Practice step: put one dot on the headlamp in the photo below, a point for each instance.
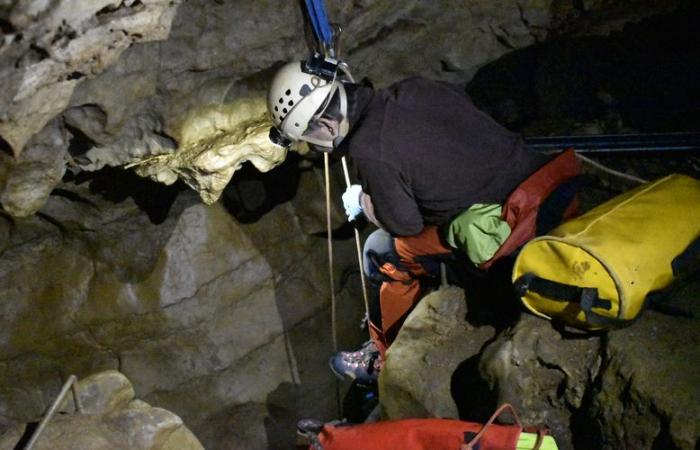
(278, 139)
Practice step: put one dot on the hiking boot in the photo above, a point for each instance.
(308, 431)
(362, 365)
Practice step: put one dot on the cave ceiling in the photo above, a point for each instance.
(174, 89)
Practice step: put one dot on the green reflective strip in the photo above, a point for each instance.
(527, 441)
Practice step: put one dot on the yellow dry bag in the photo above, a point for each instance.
(595, 271)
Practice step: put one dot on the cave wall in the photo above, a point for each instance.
(119, 82)
(221, 317)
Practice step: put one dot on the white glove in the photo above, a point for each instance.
(351, 201)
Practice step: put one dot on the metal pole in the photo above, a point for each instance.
(70, 383)
(617, 143)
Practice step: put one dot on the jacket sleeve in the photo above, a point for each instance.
(394, 205)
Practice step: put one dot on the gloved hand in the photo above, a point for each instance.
(351, 201)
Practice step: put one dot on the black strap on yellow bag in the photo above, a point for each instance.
(596, 272)
(585, 298)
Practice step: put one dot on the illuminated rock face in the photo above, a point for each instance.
(227, 324)
(224, 320)
(110, 419)
(122, 81)
(216, 140)
(50, 46)
(47, 50)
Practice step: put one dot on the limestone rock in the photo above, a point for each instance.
(131, 78)
(649, 394)
(102, 393)
(202, 313)
(543, 375)
(55, 44)
(141, 137)
(632, 388)
(417, 376)
(109, 421)
(215, 142)
(35, 173)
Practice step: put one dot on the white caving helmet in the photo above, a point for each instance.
(297, 97)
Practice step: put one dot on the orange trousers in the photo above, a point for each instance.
(401, 292)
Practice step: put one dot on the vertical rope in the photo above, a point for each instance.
(329, 230)
(358, 245)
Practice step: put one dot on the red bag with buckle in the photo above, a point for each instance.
(423, 434)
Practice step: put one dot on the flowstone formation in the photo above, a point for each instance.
(214, 142)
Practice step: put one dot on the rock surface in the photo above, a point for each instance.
(159, 84)
(111, 419)
(632, 388)
(217, 312)
(435, 339)
(207, 317)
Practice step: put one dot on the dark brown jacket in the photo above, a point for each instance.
(425, 153)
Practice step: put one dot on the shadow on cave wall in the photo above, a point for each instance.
(643, 78)
(250, 198)
(116, 185)
(251, 194)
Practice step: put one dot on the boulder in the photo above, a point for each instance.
(648, 395)
(630, 388)
(111, 419)
(416, 380)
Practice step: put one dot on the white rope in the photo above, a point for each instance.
(611, 171)
(358, 245)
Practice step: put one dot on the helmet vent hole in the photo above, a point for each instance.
(290, 103)
(281, 101)
(284, 110)
(296, 125)
(276, 108)
(288, 92)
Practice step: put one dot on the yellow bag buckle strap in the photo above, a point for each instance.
(586, 297)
